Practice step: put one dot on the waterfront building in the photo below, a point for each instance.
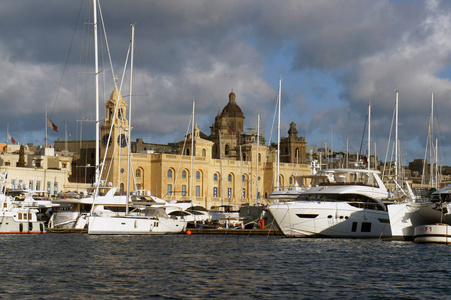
(224, 162)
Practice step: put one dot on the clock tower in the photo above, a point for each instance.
(114, 138)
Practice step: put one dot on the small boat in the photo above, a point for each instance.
(141, 220)
(435, 233)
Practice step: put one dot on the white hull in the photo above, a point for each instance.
(436, 233)
(134, 225)
(10, 224)
(404, 217)
(329, 219)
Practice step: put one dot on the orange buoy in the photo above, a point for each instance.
(188, 232)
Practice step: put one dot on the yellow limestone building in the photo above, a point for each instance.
(224, 164)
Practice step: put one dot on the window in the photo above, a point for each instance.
(197, 190)
(49, 185)
(291, 180)
(366, 227)
(215, 177)
(30, 184)
(243, 178)
(122, 187)
(187, 151)
(184, 190)
(229, 178)
(55, 188)
(243, 193)
(184, 174)
(229, 192)
(38, 185)
(169, 173)
(13, 183)
(227, 149)
(215, 192)
(198, 175)
(138, 173)
(169, 189)
(204, 152)
(354, 227)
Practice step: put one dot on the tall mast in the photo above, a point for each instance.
(257, 201)
(192, 153)
(396, 135)
(130, 119)
(96, 74)
(431, 143)
(278, 137)
(369, 136)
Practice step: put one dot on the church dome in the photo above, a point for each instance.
(232, 109)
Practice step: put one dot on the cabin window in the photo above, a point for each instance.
(184, 174)
(198, 175)
(20, 216)
(169, 173)
(366, 227)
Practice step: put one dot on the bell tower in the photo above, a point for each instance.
(115, 146)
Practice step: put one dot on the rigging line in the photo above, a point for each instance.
(388, 144)
(67, 59)
(146, 91)
(363, 136)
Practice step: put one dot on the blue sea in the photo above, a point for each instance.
(80, 266)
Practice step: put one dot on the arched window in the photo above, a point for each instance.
(169, 173)
(138, 173)
(244, 156)
(291, 180)
(204, 152)
(243, 178)
(229, 178)
(183, 190)
(198, 175)
(187, 151)
(259, 157)
(184, 174)
(169, 189)
(227, 149)
(215, 177)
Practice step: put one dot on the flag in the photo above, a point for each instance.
(11, 138)
(52, 125)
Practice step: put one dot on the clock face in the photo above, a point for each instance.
(105, 140)
(122, 140)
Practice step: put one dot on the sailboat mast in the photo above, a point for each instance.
(431, 143)
(96, 74)
(369, 136)
(396, 135)
(192, 153)
(257, 201)
(130, 119)
(278, 137)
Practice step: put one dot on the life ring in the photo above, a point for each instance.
(261, 224)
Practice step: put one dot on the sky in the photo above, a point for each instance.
(334, 58)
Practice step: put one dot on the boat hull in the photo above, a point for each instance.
(404, 217)
(329, 219)
(435, 233)
(8, 224)
(134, 225)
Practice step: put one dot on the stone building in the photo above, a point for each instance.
(219, 169)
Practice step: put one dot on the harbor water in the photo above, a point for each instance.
(80, 266)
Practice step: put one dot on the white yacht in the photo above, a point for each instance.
(345, 203)
(141, 220)
(16, 217)
(406, 216)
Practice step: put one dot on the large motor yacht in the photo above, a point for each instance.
(345, 203)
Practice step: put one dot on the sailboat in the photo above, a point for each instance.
(412, 212)
(144, 218)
